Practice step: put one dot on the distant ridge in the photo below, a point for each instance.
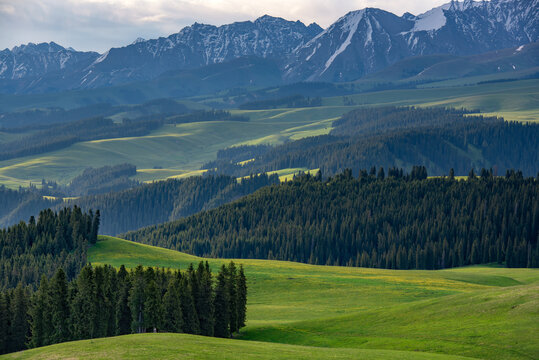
(360, 43)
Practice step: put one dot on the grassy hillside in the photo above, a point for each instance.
(180, 346)
(178, 149)
(508, 99)
(479, 312)
(183, 148)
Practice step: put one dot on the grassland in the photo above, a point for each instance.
(180, 346)
(477, 312)
(180, 150)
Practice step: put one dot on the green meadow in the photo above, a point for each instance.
(180, 150)
(301, 311)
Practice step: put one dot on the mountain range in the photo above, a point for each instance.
(360, 43)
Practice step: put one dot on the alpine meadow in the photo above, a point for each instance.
(306, 180)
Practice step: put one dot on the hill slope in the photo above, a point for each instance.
(481, 312)
(180, 346)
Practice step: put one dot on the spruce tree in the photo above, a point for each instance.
(123, 311)
(84, 305)
(39, 326)
(232, 297)
(59, 308)
(4, 323)
(221, 306)
(95, 227)
(204, 301)
(242, 298)
(137, 299)
(173, 317)
(153, 312)
(19, 320)
(111, 298)
(190, 318)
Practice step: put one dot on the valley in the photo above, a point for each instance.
(477, 312)
(267, 187)
(180, 150)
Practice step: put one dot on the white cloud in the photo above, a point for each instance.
(101, 24)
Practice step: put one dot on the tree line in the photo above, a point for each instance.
(205, 115)
(102, 301)
(143, 205)
(383, 219)
(56, 240)
(62, 135)
(293, 101)
(436, 138)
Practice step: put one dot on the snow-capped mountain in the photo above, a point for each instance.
(368, 40)
(359, 43)
(199, 45)
(35, 60)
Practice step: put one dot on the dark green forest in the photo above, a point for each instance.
(436, 138)
(294, 101)
(394, 220)
(134, 208)
(102, 301)
(168, 200)
(55, 240)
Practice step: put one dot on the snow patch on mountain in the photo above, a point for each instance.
(431, 20)
(350, 23)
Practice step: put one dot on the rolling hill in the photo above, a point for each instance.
(188, 146)
(340, 312)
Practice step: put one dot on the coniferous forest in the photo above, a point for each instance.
(56, 240)
(436, 138)
(102, 301)
(394, 220)
(140, 206)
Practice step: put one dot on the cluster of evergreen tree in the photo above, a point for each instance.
(436, 138)
(104, 302)
(22, 121)
(236, 154)
(39, 119)
(55, 240)
(101, 180)
(16, 205)
(311, 89)
(206, 115)
(294, 101)
(143, 205)
(395, 221)
(62, 135)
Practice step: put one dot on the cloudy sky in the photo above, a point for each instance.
(100, 24)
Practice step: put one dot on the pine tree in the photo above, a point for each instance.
(232, 297)
(221, 306)
(153, 312)
(95, 227)
(123, 311)
(204, 300)
(19, 320)
(173, 319)
(242, 298)
(4, 324)
(190, 318)
(137, 299)
(39, 325)
(59, 308)
(84, 305)
(111, 299)
(101, 317)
